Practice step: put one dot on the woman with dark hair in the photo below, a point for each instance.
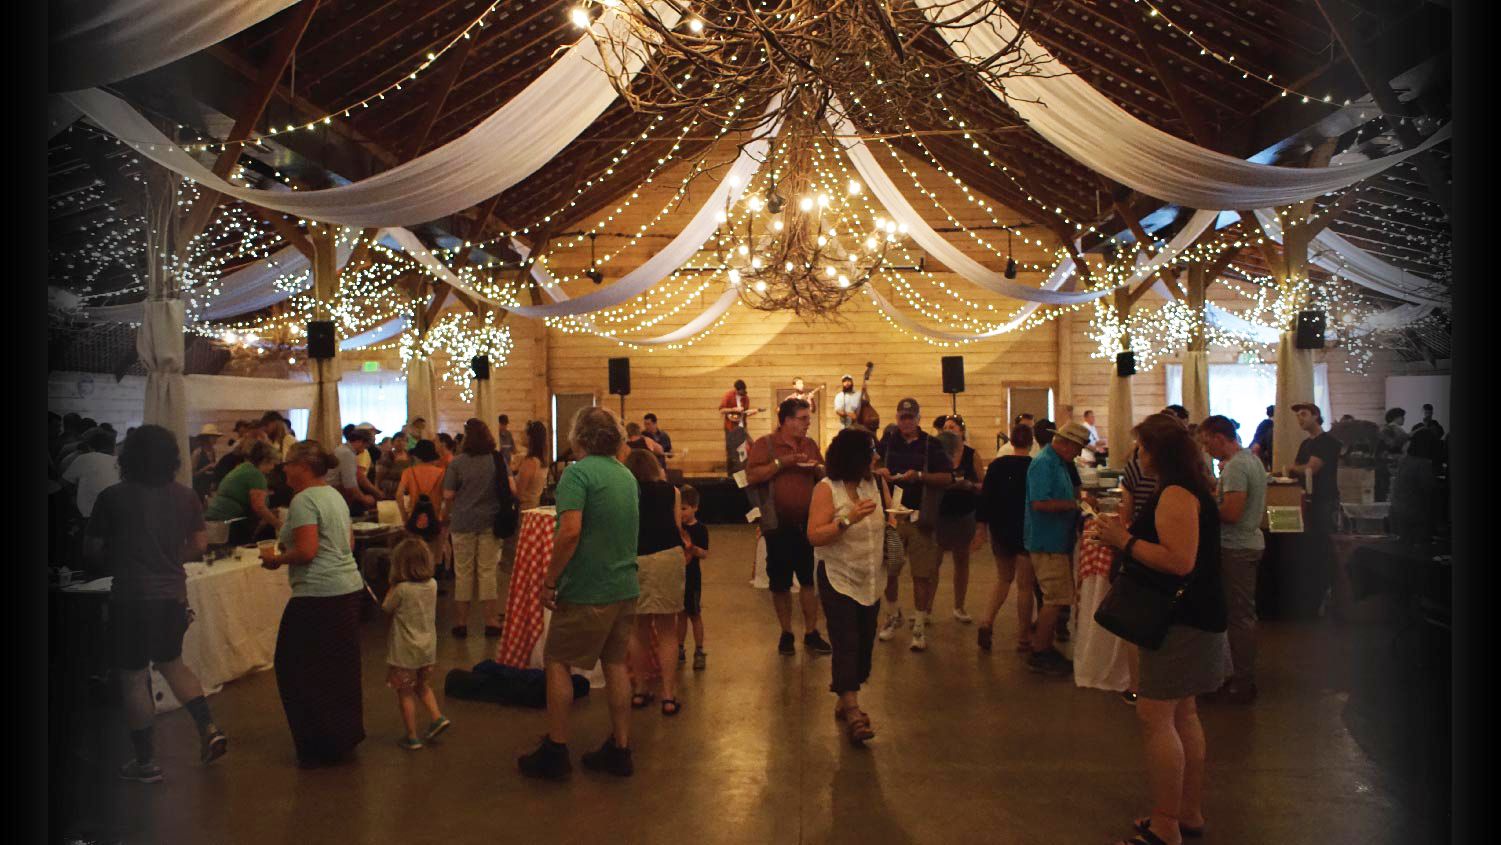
(149, 525)
(1175, 542)
(847, 528)
(471, 501)
(957, 532)
(1001, 512)
(662, 573)
(318, 643)
(446, 446)
(244, 494)
(418, 490)
(531, 475)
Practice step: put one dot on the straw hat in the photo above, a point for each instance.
(210, 430)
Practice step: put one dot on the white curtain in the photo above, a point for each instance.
(1195, 384)
(422, 393)
(512, 143)
(98, 42)
(377, 398)
(1074, 117)
(1242, 392)
(1337, 255)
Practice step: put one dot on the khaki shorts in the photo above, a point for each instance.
(582, 634)
(1054, 576)
(922, 549)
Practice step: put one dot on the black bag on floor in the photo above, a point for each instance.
(490, 681)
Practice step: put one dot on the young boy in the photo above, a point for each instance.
(693, 591)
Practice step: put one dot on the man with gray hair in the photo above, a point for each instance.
(591, 587)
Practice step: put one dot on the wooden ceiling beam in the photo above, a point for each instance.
(328, 75)
(1197, 128)
(256, 101)
(1376, 80)
(444, 82)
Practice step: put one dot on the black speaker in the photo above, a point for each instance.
(1125, 364)
(480, 366)
(320, 339)
(1310, 330)
(953, 373)
(620, 376)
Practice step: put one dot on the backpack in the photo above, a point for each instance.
(509, 515)
(423, 521)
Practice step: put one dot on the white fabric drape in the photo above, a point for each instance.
(1196, 384)
(98, 42)
(159, 342)
(1337, 255)
(381, 333)
(1122, 419)
(1088, 126)
(1294, 384)
(525, 133)
(422, 396)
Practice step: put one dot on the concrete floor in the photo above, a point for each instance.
(971, 748)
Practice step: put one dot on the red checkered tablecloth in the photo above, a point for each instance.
(1094, 559)
(524, 604)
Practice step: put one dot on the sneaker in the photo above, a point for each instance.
(410, 743)
(610, 758)
(919, 635)
(549, 761)
(682, 656)
(1049, 662)
(963, 617)
(699, 660)
(141, 772)
(987, 638)
(815, 643)
(215, 743)
(438, 726)
(787, 645)
(889, 628)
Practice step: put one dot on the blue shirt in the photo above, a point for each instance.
(1047, 479)
(1243, 473)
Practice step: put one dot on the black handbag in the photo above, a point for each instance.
(509, 515)
(1139, 607)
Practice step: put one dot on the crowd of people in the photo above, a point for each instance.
(625, 583)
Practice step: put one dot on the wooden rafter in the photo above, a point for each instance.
(444, 82)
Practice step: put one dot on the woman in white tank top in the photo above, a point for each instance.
(847, 527)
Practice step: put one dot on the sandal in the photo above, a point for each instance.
(641, 699)
(1144, 825)
(673, 704)
(859, 729)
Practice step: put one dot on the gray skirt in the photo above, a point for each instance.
(1190, 662)
(955, 532)
(662, 576)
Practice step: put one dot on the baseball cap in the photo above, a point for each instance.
(907, 406)
(1075, 433)
(1312, 409)
(364, 426)
(846, 377)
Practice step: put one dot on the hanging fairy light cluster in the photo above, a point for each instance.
(461, 337)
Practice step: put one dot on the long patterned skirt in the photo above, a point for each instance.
(318, 675)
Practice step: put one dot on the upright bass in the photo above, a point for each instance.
(866, 417)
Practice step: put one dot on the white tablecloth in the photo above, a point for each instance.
(237, 607)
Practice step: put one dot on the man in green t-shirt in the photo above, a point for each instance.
(591, 588)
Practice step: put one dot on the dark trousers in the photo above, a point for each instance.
(852, 633)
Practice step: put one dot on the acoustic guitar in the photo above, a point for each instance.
(866, 417)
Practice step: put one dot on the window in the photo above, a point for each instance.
(378, 398)
(1242, 392)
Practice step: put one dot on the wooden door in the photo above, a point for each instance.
(564, 407)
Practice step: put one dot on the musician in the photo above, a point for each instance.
(735, 407)
(846, 401)
(798, 392)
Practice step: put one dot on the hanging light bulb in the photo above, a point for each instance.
(823, 241)
(844, 281)
(855, 187)
(695, 25)
(593, 273)
(806, 203)
(744, 250)
(830, 272)
(734, 276)
(756, 263)
(788, 266)
(760, 287)
(754, 203)
(580, 17)
(778, 225)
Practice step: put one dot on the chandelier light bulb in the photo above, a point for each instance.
(756, 263)
(844, 281)
(754, 203)
(823, 241)
(722, 217)
(788, 266)
(830, 272)
(870, 243)
(580, 17)
(734, 276)
(744, 250)
(823, 200)
(695, 25)
(855, 188)
(778, 225)
(806, 203)
(760, 287)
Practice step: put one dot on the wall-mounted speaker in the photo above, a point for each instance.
(480, 366)
(620, 376)
(1311, 325)
(1125, 364)
(320, 339)
(953, 373)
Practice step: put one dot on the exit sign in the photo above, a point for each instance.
(371, 367)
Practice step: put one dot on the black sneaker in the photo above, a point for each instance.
(549, 761)
(215, 743)
(140, 772)
(1050, 662)
(786, 645)
(610, 758)
(817, 644)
